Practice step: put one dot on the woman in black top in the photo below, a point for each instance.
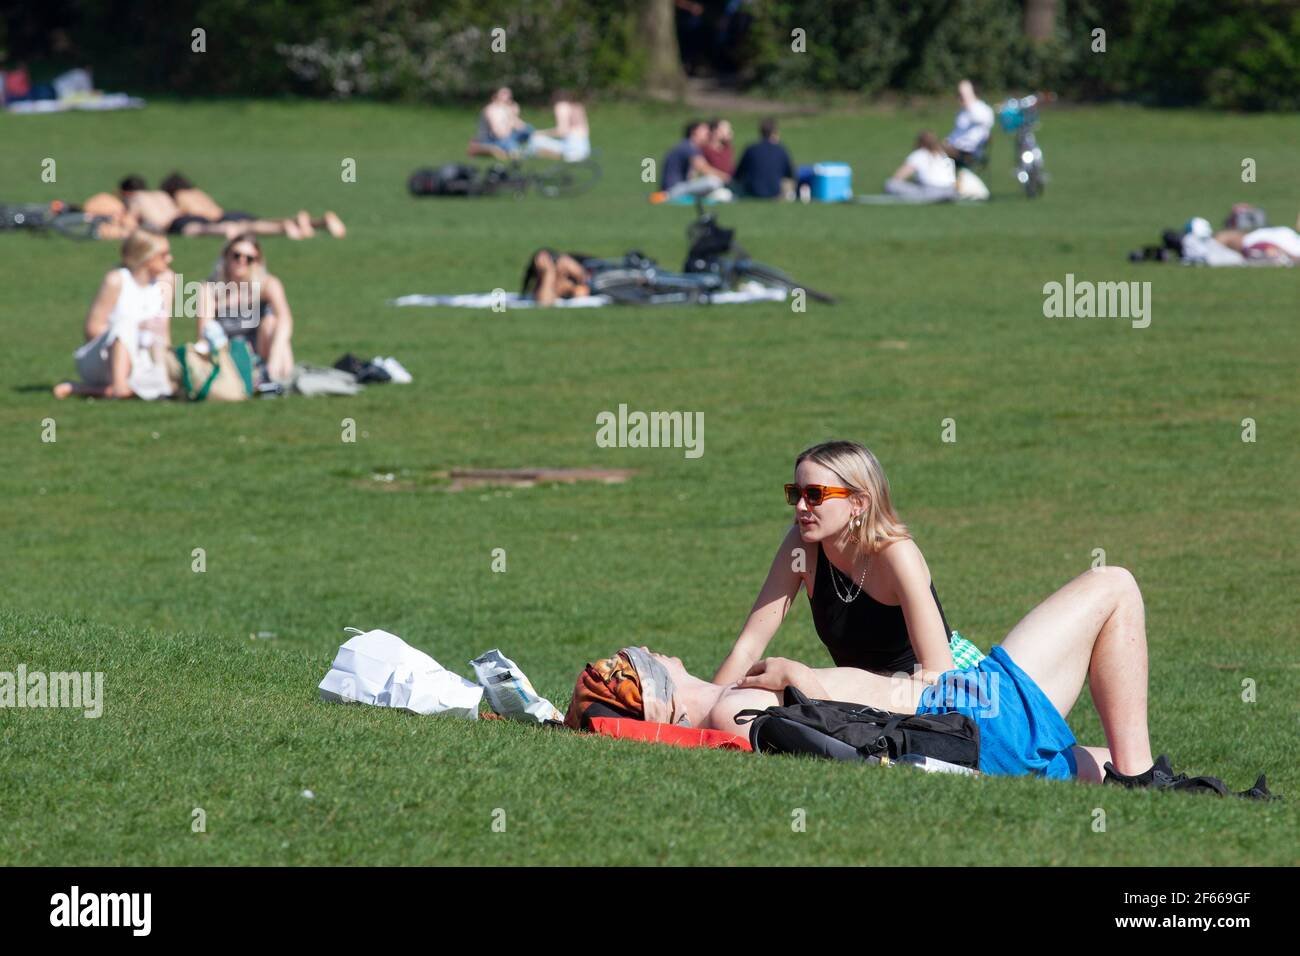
(249, 301)
(873, 603)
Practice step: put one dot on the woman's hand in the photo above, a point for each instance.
(773, 673)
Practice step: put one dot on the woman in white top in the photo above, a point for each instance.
(128, 326)
(929, 174)
(570, 140)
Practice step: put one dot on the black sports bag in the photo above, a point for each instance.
(450, 179)
(842, 731)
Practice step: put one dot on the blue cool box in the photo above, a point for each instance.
(832, 182)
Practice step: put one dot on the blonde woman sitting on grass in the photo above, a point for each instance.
(248, 302)
(127, 330)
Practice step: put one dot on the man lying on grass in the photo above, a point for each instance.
(1091, 629)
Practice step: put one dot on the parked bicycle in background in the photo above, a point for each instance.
(1020, 118)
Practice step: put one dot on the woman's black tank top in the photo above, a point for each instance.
(864, 633)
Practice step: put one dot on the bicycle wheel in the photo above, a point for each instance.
(770, 275)
(1035, 183)
(74, 225)
(567, 179)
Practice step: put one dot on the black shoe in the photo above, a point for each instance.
(1259, 792)
(365, 372)
(1160, 777)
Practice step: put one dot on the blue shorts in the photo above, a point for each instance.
(1021, 732)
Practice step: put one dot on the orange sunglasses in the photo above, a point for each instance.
(815, 494)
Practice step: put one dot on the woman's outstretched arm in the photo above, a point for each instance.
(769, 610)
(900, 693)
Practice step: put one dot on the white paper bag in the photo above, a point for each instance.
(379, 668)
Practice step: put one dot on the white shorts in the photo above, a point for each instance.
(572, 149)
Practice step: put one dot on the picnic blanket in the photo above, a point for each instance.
(889, 199)
(94, 102)
(513, 300)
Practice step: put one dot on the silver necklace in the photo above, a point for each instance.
(852, 595)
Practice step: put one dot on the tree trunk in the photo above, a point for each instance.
(1040, 19)
(664, 77)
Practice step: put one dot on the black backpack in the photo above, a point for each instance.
(842, 731)
(450, 179)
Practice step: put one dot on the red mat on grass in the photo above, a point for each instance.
(668, 734)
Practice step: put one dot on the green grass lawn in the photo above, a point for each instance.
(1072, 435)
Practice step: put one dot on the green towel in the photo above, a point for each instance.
(965, 655)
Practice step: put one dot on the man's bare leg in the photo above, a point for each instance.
(1093, 628)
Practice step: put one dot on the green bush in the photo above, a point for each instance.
(409, 49)
(870, 46)
(1231, 54)
(398, 48)
(1235, 54)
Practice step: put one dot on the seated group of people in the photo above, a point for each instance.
(877, 611)
(504, 135)
(127, 333)
(936, 170)
(703, 163)
(179, 208)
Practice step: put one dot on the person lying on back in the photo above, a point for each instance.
(553, 275)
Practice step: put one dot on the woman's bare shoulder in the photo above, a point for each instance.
(903, 557)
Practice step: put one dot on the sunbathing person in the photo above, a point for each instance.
(1267, 242)
(111, 215)
(555, 275)
(570, 138)
(152, 208)
(502, 133)
(157, 210)
(201, 215)
(642, 685)
(127, 329)
(1091, 630)
(249, 303)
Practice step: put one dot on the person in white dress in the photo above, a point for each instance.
(128, 326)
